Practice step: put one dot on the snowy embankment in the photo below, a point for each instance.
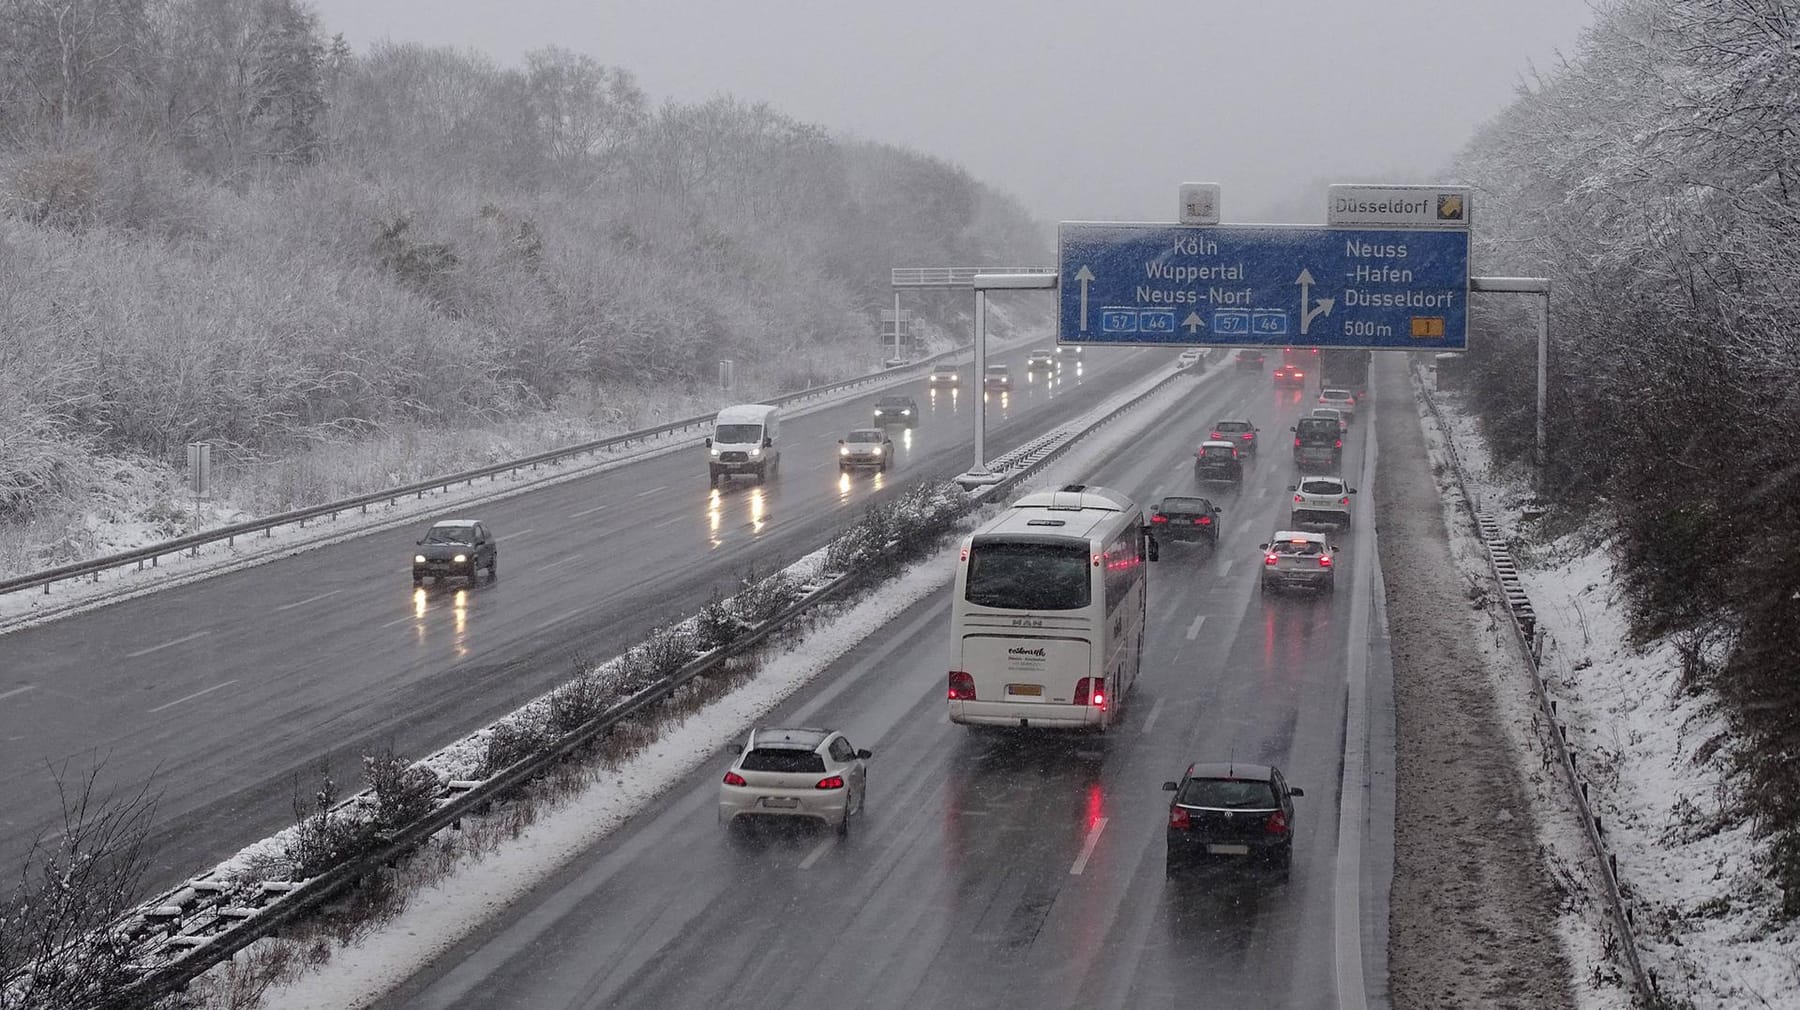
(458, 901)
(1704, 906)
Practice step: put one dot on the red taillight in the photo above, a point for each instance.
(1248, 435)
(1277, 824)
(1298, 374)
(1159, 519)
(965, 554)
(1339, 444)
(1296, 441)
(1091, 692)
(1324, 561)
(1298, 499)
(734, 779)
(1204, 520)
(1270, 559)
(1216, 435)
(962, 686)
(1178, 818)
(837, 782)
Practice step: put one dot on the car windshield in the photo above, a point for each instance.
(867, 435)
(451, 535)
(893, 403)
(1227, 794)
(1297, 548)
(996, 369)
(738, 434)
(945, 369)
(1321, 487)
(1029, 576)
(1185, 505)
(781, 759)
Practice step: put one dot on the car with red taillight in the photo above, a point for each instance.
(1238, 432)
(1231, 814)
(1185, 517)
(1321, 500)
(1218, 460)
(1250, 359)
(1342, 399)
(1298, 558)
(795, 772)
(1290, 375)
(1332, 413)
(1318, 443)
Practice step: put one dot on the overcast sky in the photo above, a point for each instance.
(1084, 109)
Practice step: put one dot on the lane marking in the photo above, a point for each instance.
(1193, 631)
(1352, 988)
(17, 691)
(813, 856)
(651, 491)
(1155, 710)
(559, 561)
(1225, 569)
(403, 620)
(310, 599)
(667, 522)
(516, 534)
(1262, 492)
(586, 512)
(167, 645)
(1087, 848)
(190, 697)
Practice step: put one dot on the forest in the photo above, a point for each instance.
(1654, 177)
(218, 222)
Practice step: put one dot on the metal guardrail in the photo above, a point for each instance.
(266, 524)
(1530, 638)
(189, 929)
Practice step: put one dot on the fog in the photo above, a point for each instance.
(1083, 110)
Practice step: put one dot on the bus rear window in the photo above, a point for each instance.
(1029, 576)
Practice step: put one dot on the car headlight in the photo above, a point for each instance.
(906, 413)
(756, 451)
(460, 558)
(843, 450)
(879, 450)
(418, 559)
(715, 450)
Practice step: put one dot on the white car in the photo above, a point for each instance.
(1321, 501)
(795, 772)
(1189, 358)
(1298, 558)
(1335, 414)
(1342, 399)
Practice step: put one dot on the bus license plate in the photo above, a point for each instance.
(1228, 850)
(1026, 690)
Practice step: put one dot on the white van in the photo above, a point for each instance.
(746, 439)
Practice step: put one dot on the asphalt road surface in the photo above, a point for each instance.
(998, 870)
(231, 694)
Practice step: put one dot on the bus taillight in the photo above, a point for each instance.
(962, 686)
(1091, 692)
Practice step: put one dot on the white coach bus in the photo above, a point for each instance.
(1048, 620)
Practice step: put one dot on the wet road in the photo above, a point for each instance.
(1007, 871)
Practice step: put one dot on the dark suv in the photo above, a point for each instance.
(1318, 443)
(896, 410)
(456, 547)
(1186, 517)
(1231, 814)
(1250, 359)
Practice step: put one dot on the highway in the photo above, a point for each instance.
(998, 870)
(231, 694)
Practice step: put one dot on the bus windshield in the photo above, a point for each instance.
(1029, 576)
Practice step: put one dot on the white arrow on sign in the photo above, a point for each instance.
(1086, 277)
(1307, 314)
(1192, 322)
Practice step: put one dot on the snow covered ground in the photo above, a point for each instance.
(436, 917)
(1703, 904)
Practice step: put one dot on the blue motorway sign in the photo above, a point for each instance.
(1258, 285)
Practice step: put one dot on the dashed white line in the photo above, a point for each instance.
(559, 561)
(17, 691)
(813, 856)
(1262, 492)
(516, 534)
(672, 520)
(1155, 710)
(651, 491)
(586, 512)
(190, 697)
(1193, 631)
(309, 599)
(1087, 848)
(167, 645)
(1225, 569)
(403, 620)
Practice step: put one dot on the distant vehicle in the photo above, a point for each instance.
(865, 447)
(1068, 350)
(1333, 414)
(1238, 432)
(1321, 500)
(897, 410)
(997, 377)
(1233, 814)
(896, 363)
(456, 548)
(1342, 399)
(1186, 517)
(945, 377)
(1298, 558)
(1345, 368)
(1251, 359)
(1040, 361)
(1188, 358)
(1290, 375)
(745, 441)
(1218, 460)
(796, 772)
(1318, 443)
(1047, 620)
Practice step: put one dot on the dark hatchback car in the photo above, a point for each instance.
(1290, 375)
(455, 548)
(1231, 815)
(897, 410)
(1185, 517)
(1238, 432)
(1250, 359)
(1218, 460)
(1318, 443)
